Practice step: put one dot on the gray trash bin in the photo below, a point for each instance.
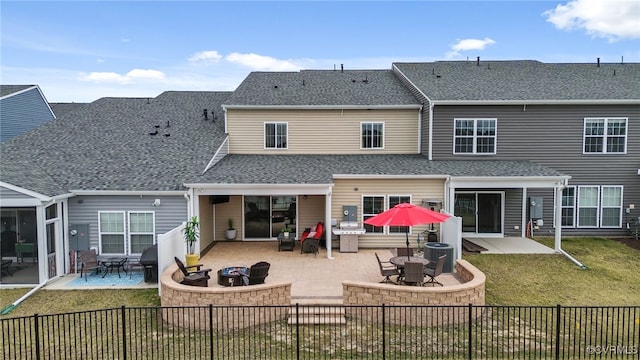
(433, 250)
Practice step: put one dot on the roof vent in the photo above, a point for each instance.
(204, 113)
(275, 86)
(478, 61)
(598, 62)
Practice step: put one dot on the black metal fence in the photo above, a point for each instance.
(345, 332)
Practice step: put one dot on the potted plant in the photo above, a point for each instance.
(285, 230)
(231, 232)
(191, 233)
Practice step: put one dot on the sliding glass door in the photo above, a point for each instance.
(264, 216)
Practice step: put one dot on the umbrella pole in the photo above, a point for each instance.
(407, 233)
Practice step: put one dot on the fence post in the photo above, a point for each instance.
(470, 351)
(210, 331)
(124, 332)
(384, 333)
(558, 308)
(36, 330)
(298, 331)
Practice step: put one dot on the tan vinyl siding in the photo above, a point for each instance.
(351, 191)
(323, 131)
(225, 211)
(310, 212)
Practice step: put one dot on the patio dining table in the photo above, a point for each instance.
(399, 261)
(111, 263)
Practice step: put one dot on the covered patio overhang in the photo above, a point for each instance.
(197, 190)
(557, 182)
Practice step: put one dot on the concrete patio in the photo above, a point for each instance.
(510, 245)
(315, 280)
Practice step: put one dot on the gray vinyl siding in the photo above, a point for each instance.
(513, 212)
(22, 112)
(171, 213)
(10, 194)
(552, 136)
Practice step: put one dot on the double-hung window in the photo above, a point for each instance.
(372, 135)
(605, 135)
(275, 135)
(393, 201)
(600, 206)
(375, 204)
(111, 232)
(474, 136)
(141, 231)
(372, 206)
(569, 206)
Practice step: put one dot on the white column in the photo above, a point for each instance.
(327, 222)
(558, 217)
(524, 223)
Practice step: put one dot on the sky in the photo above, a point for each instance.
(80, 51)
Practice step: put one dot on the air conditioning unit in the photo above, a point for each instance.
(432, 251)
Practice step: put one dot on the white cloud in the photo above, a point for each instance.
(128, 78)
(612, 19)
(261, 62)
(210, 55)
(469, 44)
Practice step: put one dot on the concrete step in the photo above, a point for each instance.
(317, 315)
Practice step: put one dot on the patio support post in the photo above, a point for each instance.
(558, 217)
(524, 223)
(327, 223)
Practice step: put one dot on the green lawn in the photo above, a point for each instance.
(612, 277)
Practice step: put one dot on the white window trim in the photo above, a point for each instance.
(475, 136)
(388, 206)
(604, 136)
(381, 147)
(264, 134)
(362, 213)
(124, 232)
(130, 232)
(574, 207)
(620, 206)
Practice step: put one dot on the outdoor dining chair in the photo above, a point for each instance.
(387, 269)
(433, 272)
(256, 274)
(404, 251)
(413, 273)
(89, 261)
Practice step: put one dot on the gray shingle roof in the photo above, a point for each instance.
(62, 108)
(322, 88)
(319, 169)
(10, 89)
(106, 145)
(524, 80)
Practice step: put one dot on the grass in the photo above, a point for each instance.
(61, 301)
(612, 277)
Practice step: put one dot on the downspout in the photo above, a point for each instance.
(9, 308)
(430, 156)
(558, 224)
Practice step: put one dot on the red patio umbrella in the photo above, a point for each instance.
(405, 214)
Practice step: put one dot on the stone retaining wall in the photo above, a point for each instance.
(188, 301)
(471, 291)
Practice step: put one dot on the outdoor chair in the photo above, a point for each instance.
(387, 269)
(195, 278)
(404, 251)
(310, 241)
(89, 261)
(256, 274)
(433, 271)
(413, 273)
